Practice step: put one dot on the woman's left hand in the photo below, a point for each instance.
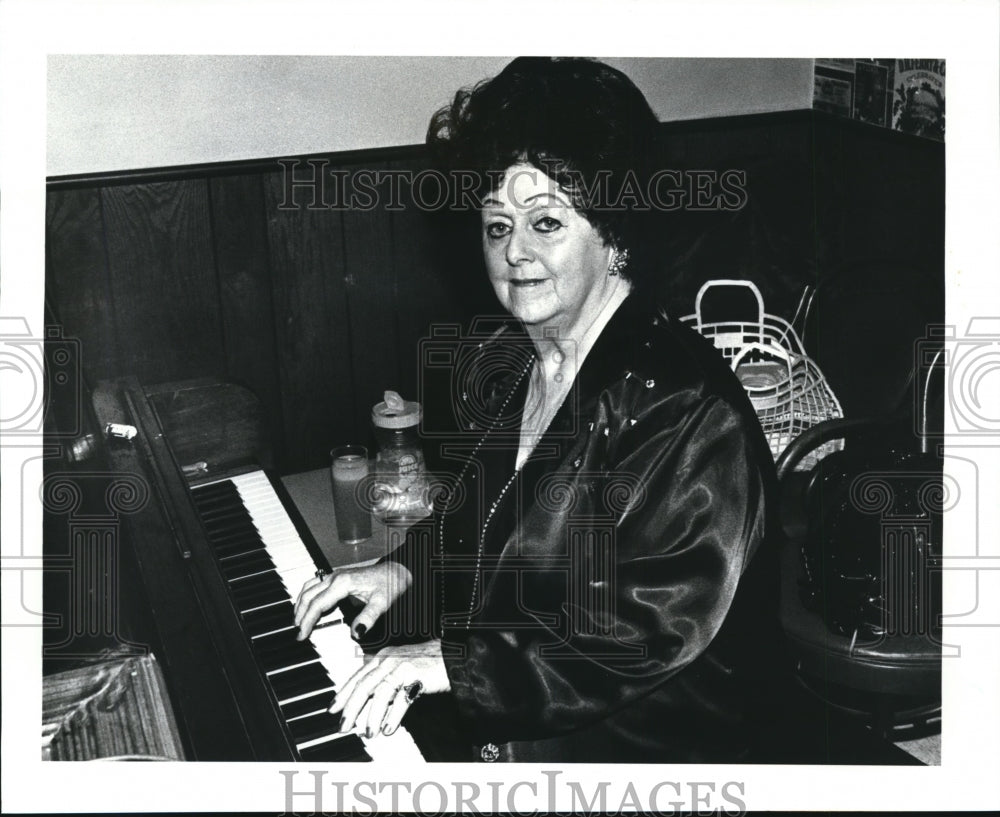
(388, 682)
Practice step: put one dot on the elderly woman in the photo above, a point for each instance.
(602, 587)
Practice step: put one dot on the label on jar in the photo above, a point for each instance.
(401, 467)
(409, 465)
(401, 485)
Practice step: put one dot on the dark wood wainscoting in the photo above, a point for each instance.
(177, 273)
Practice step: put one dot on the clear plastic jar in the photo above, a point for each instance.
(401, 491)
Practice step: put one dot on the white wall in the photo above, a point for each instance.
(123, 112)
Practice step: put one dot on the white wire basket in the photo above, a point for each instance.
(786, 388)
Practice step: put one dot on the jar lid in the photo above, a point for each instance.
(395, 412)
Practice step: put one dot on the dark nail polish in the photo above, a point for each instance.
(368, 733)
(360, 630)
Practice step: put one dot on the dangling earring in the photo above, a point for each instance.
(619, 260)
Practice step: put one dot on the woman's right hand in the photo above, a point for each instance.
(378, 586)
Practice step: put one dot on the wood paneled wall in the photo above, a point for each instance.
(316, 310)
(188, 272)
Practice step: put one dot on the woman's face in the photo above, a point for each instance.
(547, 263)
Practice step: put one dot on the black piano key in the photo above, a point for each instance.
(298, 652)
(251, 584)
(239, 543)
(248, 564)
(319, 702)
(222, 512)
(238, 548)
(222, 530)
(237, 551)
(276, 640)
(315, 726)
(218, 526)
(264, 627)
(222, 507)
(263, 621)
(232, 519)
(299, 681)
(225, 509)
(261, 581)
(260, 597)
(229, 500)
(218, 531)
(243, 542)
(210, 494)
(236, 538)
(207, 493)
(267, 619)
(349, 748)
(217, 485)
(282, 640)
(247, 567)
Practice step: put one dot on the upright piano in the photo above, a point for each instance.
(217, 552)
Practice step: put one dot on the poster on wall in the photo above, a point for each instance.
(904, 94)
(833, 88)
(872, 84)
(918, 98)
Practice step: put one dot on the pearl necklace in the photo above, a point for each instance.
(480, 550)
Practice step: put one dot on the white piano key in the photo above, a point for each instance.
(296, 577)
(340, 654)
(398, 747)
(287, 565)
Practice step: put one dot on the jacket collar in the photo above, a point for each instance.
(623, 332)
(602, 365)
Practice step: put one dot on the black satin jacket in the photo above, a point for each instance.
(616, 600)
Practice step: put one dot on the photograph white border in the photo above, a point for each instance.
(963, 33)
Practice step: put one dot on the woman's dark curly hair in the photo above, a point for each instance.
(583, 123)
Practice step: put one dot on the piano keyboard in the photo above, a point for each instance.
(265, 563)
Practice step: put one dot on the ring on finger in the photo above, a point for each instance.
(410, 693)
(322, 574)
(413, 691)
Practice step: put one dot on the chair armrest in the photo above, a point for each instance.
(820, 433)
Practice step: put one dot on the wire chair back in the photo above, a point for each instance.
(786, 387)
